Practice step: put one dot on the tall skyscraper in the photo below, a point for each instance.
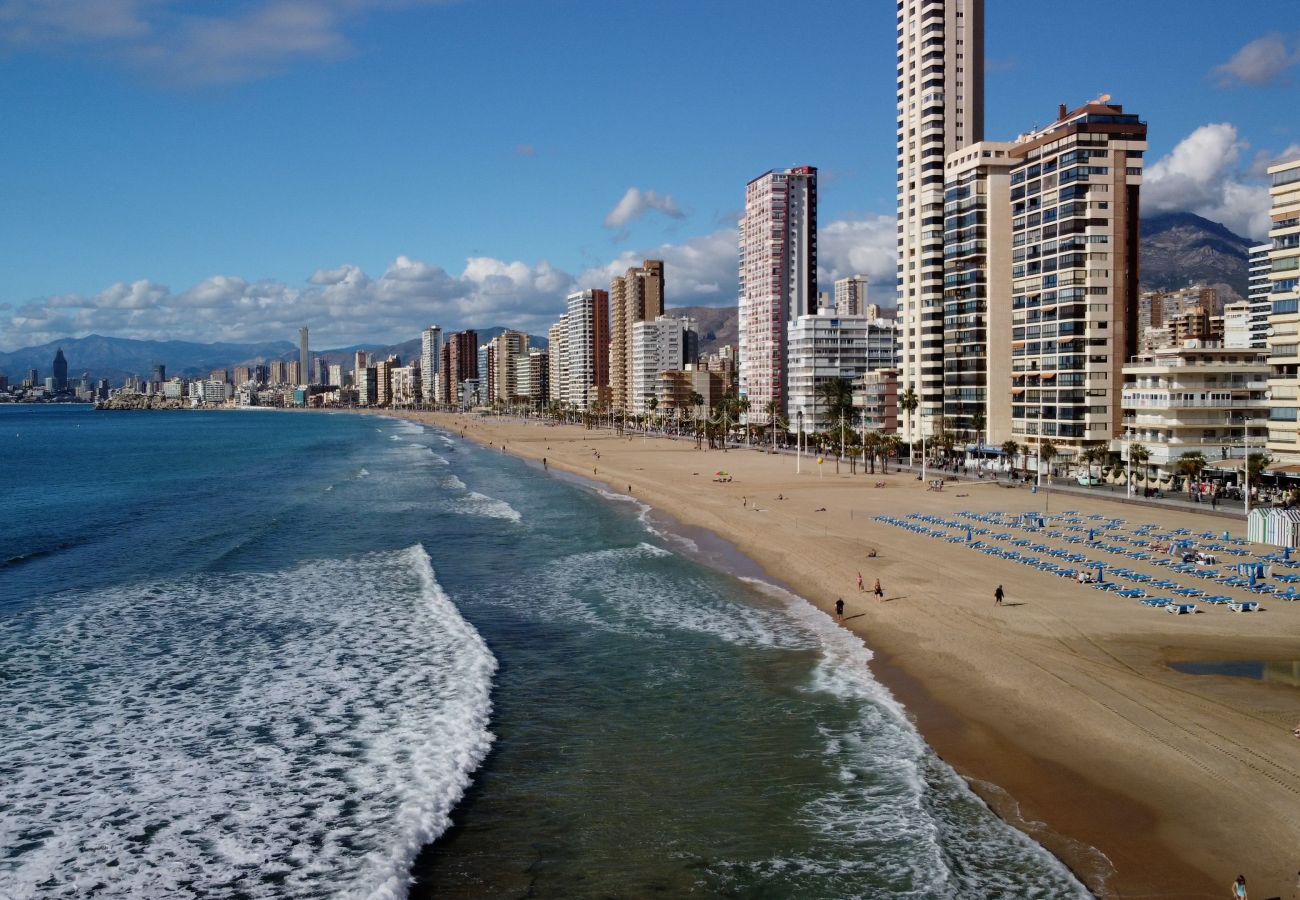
(778, 278)
(1074, 275)
(60, 371)
(507, 347)
(586, 349)
(1284, 315)
(304, 356)
(851, 296)
(430, 355)
(977, 292)
(940, 110)
(636, 296)
(459, 364)
(159, 373)
(1257, 295)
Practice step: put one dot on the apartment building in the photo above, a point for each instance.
(940, 111)
(778, 276)
(1074, 274)
(1284, 309)
(635, 296)
(977, 291)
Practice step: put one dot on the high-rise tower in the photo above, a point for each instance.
(637, 296)
(778, 278)
(304, 356)
(60, 371)
(940, 110)
(430, 355)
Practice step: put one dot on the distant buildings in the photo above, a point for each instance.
(304, 357)
(430, 362)
(459, 364)
(656, 346)
(1258, 294)
(60, 369)
(851, 296)
(826, 347)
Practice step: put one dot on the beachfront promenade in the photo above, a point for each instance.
(1060, 707)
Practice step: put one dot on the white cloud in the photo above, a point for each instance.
(860, 247)
(219, 43)
(343, 305)
(1204, 174)
(637, 203)
(1260, 63)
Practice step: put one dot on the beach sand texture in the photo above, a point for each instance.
(1059, 706)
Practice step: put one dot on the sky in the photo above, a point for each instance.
(196, 170)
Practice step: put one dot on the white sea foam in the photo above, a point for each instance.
(615, 590)
(899, 804)
(476, 504)
(643, 516)
(454, 483)
(292, 734)
(364, 473)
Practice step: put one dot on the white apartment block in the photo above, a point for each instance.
(585, 372)
(1284, 312)
(1179, 400)
(825, 347)
(977, 292)
(1236, 325)
(940, 110)
(405, 386)
(1257, 294)
(555, 363)
(1074, 227)
(851, 296)
(430, 362)
(657, 346)
(778, 276)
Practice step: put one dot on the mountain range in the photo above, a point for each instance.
(1177, 249)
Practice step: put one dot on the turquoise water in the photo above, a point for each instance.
(276, 655)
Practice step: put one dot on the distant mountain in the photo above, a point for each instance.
(1181, 249)
(118, 358)
(717, 324)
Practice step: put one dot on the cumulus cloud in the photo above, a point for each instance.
(1260, 63)
(344, 305)
(181, 46)
(637, 203)
(1205, 175)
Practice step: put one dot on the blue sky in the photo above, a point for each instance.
(231, 170)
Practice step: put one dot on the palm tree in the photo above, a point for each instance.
(872, 442)
(1046, 453)
(652, 404)
(837, 394)
(1010, 449)
(742, 409)
(1190, 466)
(889, 448)
(908, 403)
(977, 422)
(1255, 465)
(1139, 454)
(696, 400)
(770, 408)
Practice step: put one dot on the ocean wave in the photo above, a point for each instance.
(899, 804)
(290, 734)
(476, 504)
(643, 516)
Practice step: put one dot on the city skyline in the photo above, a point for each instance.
(536, 211)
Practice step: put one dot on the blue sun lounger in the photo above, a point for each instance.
(1156, 601)
(1217, 600)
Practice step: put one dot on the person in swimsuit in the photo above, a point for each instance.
(997, 596)
(1239, 888)
(878, 591)
(861, 588)
(839, 608)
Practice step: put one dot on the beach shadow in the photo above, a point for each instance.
(854, 616)
(892, 599)
(1016, 604)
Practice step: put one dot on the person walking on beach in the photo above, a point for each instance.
(997, 596)
(839, 608)
(878, 591)
(1239, 888)
(860, 587)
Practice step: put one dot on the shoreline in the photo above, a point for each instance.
(1076, 732)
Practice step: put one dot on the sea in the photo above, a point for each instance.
(268, 654)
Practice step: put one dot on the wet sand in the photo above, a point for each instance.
(1059, 707)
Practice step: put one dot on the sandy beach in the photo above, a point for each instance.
(1059, 707)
